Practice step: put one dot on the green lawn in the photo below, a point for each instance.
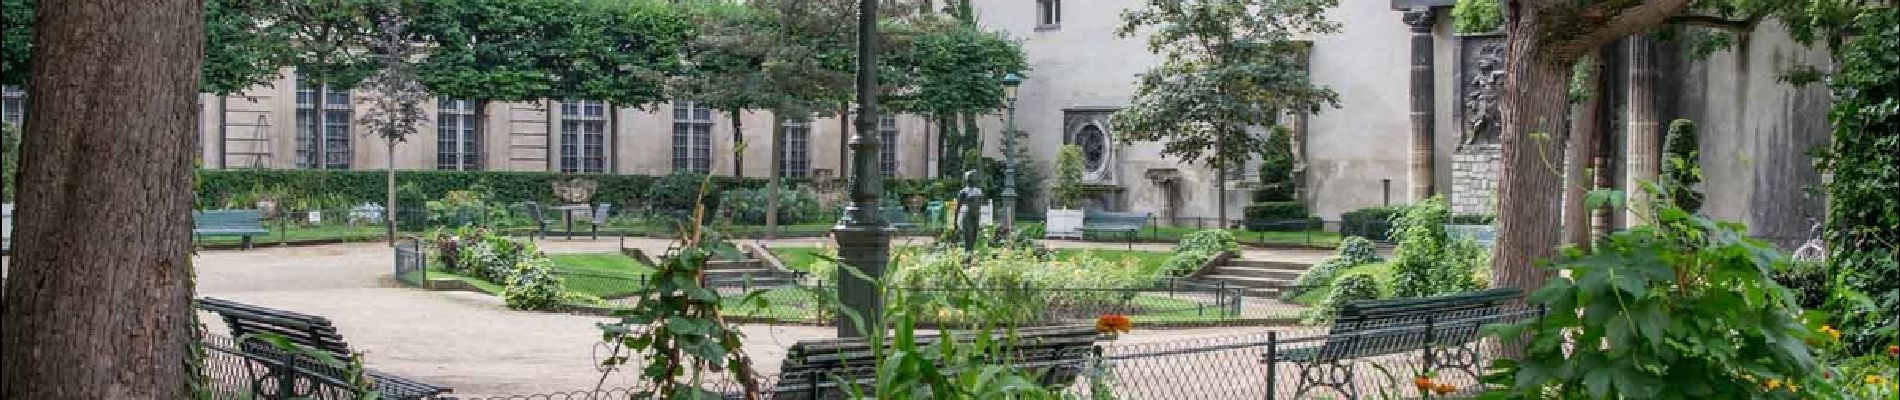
(298, 233)
(596, 274)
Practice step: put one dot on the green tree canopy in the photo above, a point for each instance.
(240, 50)
(1228, 65)
(523, 50)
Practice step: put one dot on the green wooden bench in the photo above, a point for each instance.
(243, 223)
(827, 368)
(1444, 326)
(313, 332)
(1126, 223)
(898, 218)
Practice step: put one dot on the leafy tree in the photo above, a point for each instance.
(955, 69)
(1476, 16)
(395, 112)
(9, 159)
(1066, 193)
(239, 51)
(1546, 39)
(529, 50)
(1228, 65)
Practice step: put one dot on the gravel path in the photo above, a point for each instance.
(470, 341)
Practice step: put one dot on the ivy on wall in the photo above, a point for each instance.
(1863, 222)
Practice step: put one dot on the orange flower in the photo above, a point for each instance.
(1893, 351)
(1112, 324)
(1443, 389)
(1423, 383)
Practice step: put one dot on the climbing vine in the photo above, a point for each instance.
(1863, 222)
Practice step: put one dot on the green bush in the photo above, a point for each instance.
(532, 285)
(1476, 16)
(1280, 210)
(1198, 247)
(1353, 251)
(1066, 191)
(1272, 192)
(1348, 289)
(1682, 169)
(1371, 223)
(1426, 262)
(796, 204)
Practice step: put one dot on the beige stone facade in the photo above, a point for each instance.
(260, 129)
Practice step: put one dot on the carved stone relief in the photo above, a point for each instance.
(1481, 80)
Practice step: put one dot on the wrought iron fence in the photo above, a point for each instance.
(255, 371)
(1382, 361)
(412, 263)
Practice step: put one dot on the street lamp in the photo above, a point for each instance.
(1010, 82)
(863, 236)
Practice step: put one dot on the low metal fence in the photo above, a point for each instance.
(1307, 363)
(412, 263)
(256, 371)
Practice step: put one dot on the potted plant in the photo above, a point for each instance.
(1064, 218)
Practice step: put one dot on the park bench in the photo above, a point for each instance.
(898, 218)
(1444, 327)
(309, 331)
(600, 218)
(1127, 223)
(827, 369)
(244, 223)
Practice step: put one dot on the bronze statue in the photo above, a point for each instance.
(1481, 96)
(969, 211)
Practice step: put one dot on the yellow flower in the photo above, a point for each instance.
(1874, 379)
(1771, 384)
(1831, 332)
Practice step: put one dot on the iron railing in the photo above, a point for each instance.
(412, 263)
(256, 371)
(1375, 362)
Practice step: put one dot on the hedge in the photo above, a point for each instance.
(1370, 222)
(675, 191)
(1275, 210)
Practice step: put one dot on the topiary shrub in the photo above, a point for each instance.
(1348, 289)
(1274, 208)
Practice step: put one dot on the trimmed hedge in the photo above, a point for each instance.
(676, 191)
(1371, 222)
(1275, 210)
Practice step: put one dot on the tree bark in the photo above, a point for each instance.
(771, 199)
(1532, 106)
(98, 295)
(1220, 187)
(1644, 135)
(738, 146)
(389, 180)
(1587, 124)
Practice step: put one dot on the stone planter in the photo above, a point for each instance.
(1061, 223)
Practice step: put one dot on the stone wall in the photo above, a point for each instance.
(1474, 178)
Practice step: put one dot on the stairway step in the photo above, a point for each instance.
(1286, 265)
(741, 272)
(1283, 274)
(1248, 281)
(721, 265)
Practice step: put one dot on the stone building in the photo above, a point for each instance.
(1414, 101)
(271, 127)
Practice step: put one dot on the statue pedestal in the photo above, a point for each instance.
(1474, 178)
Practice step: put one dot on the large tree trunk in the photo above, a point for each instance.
(98, 294)
(1644, 129)
(771, 199)
(738, 146)
(1532, 106)
(1582, 144)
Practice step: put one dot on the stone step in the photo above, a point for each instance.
(721, 265)
(738, 272)
(1281, 274)
(1247, 281)
(1266, 264)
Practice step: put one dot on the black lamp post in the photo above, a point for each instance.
(1010, 82)
(864, 238)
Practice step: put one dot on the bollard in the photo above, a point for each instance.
(1272, 361)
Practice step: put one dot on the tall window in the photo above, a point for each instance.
(328, 144)
(794, 152)
(692, 137)
(583, 136)
(12, 105)
(458, 140)
(1048, 13)
(887, 148)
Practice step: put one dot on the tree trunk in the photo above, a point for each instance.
(1532, 107)
(98, 292)
(320, 150)
(771, 198)
(950, 153)
(389, 180)
(738, 146)
(1220, 187)
(1582, 144)
(1644, 131)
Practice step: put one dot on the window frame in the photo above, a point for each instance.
(583, 136)
(692, 137)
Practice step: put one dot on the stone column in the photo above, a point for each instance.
(1421, 19)
(1643, 137)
